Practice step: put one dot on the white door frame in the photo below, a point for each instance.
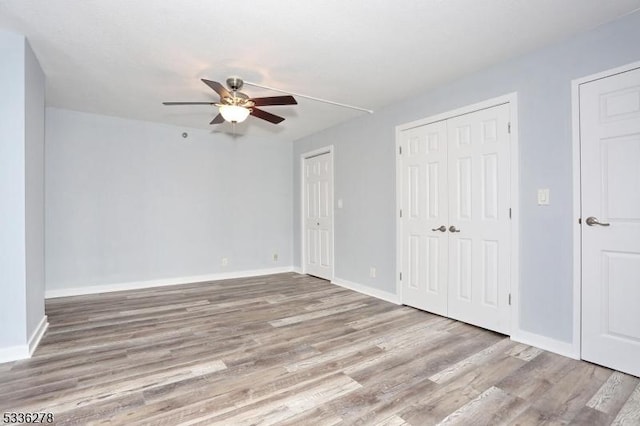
(512, 99)
(324, 150)
(577, 190)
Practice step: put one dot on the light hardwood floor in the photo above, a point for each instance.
(295, 350)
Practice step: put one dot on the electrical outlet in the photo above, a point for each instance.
(275, 257)
(225, 261)
(372, 272)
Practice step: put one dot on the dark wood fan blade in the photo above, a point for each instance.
(188, 103)
(275, 100)
(217, 119)
(266, 116)
(219, 88)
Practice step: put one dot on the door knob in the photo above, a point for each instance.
(453, 229)
(442, 228)
(591, 221)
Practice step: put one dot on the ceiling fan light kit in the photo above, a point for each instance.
(235, 106)
(234, 113)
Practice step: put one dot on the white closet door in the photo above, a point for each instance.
(479, 237)
(424, 218)
(610, 175)
(318, 209)
(455, 225)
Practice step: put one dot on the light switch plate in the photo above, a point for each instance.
(543, 197)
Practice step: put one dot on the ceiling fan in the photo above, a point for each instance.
(235, 106)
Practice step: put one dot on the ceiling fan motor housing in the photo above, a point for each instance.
(237, 98)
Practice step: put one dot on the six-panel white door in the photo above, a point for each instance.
(318, 215)
(455, 226)
(479, 201)
(425, 218)
(610, 194)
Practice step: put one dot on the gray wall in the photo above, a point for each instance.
(130, 201)
(365, 169)
(34, 188)
(21, 192)
(12, 203)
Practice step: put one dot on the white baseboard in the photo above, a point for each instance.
(15, 353)
(136, 285)
(369, 291)
(297, 270)
(547, 343)
(37, 335)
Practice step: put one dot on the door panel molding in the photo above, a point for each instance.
(576, 344)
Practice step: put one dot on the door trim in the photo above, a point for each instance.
(304, 156)
(514, 266)
(577, 201)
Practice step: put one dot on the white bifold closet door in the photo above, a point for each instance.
(455, 225)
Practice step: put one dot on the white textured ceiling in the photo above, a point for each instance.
(124, 57)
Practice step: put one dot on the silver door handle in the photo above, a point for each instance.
(442, 228)
(453, 229)
(591, 221)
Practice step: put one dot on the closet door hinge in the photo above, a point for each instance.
(400, 212)
(400, 150)
(509, 299)
(509, 212)
(400, 276)
(509, 127)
